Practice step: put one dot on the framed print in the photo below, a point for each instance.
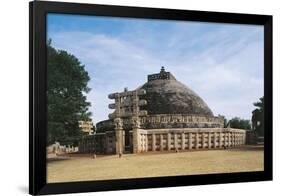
(132, 97)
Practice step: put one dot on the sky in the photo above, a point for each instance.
(222, 63)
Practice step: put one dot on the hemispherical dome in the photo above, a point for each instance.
(166, 95)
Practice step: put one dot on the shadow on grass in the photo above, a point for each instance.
(58, 159)
(248, 148)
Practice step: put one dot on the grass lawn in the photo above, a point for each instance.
(85, 168)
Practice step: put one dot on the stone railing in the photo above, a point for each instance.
(57, 149)
(173, 139)
(167, 121)
(190, 138)
(180, 121)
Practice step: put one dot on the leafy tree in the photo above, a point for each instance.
(67, 86)
(239, 123)
(258, 117)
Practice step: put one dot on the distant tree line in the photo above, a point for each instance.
(237, 123)
(256, 123)
(67, 85)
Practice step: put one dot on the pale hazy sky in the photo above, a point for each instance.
(222, 63)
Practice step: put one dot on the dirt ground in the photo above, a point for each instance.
(85, 168)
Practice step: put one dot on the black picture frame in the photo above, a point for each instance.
(38, 101)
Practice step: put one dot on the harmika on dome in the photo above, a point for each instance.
(161, 115)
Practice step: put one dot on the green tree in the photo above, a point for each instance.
(239, 123)
(67, 86)
(258, 117)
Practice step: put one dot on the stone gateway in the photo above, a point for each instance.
(161, 115)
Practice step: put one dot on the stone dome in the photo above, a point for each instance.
(166, 95)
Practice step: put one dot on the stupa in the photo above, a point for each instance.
(161, 115)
